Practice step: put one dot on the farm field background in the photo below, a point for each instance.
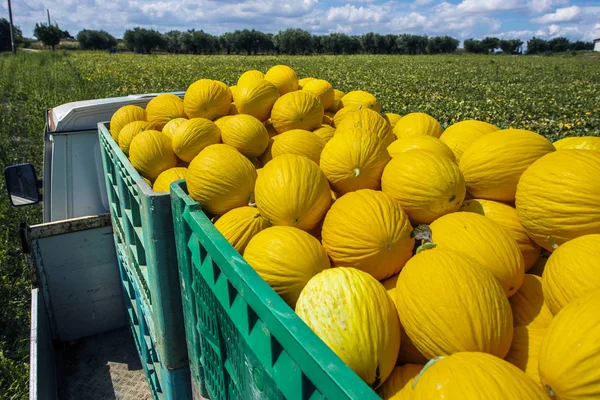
(554, 96)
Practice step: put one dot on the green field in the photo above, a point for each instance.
(555, 96)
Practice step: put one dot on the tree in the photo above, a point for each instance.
(66, 35)
(442, 44)
(5, 44)
(96, 40)
(490, 44)
(511, 46)
(474, 46)
(580, 45)
(559, 44)
(142, 40)
(537, 46)
(172, 41)
(294, 41)
(49, 35)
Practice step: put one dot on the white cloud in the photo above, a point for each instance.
(560, 15)
(352, 14)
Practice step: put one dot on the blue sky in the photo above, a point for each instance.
(461, 19)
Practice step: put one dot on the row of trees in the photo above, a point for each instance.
(534, 45)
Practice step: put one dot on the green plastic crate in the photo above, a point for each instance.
(247, 341)
(143, 224)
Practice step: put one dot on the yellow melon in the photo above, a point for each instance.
(462, 134)
(369, 121)
(570, 353)
(256, 99)
(270, 128)
(486, 242)
(123, 116)
(369, 231)
(557, 197)
(417, 124)
(327, 120)
(299, 142)
(578, 142)
(354, 160)
(360, 97)
(234, 90)
(286, 258)
(335, 105)
(150, 153)
(208, 99)
(297, 110)
(245, 133)
(322, 89)
(393, 118)
(525, 349)
(528, 305)
(364, 334)
(233, 109)
(422, 142)
(250, 77)
(325, 132)
(162, 184)
(292, 191)
(193, 136)
(129, 131)
(493, 164)
(164, 108)
(240, 225)
(283, 77)
(506, 216)
(540, 264)
(302, 82)
(461, 316)
(571, 271)
(427, 185)
(220, 178)
(474, 376)
(171, 126)
(344, 112)
(399, 384)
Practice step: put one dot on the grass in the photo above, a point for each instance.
(555, 96)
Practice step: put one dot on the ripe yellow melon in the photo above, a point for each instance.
(368, 230)
(427, 185)
(129, 131)
(557, 197)
(123, 116)
(297, 110)
(354, 160)
(302, 82)
(422, 142)
(270, 128)
(171, 126)
(335, 105)
(525, 349)
(150, 153)
(344, 112)
(360, 97)
(417, 124)
(292, 191)
(208, 99)
(193, 136)
(286, 258)
(299, 142)
(528, 305)
(462, 134)
(364, 334)
(234, 90)
(572, 271)
(162, 184)
(475, 376)
(506, 216)
(393, 118)
(578, 142)
(240, 225)
(486, 242)
(493, 164)
(540, 264)
(233, 109)
(250, 77)
(399, 384)
(322, 89)
(369, 121)
(164, 108)
(325, 132)
(283, 77)
(570, 353)
(327, 120)
(220, 178)
(256, 99)
(245, 133)
(448, 303)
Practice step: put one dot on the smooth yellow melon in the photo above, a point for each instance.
(486, 242)
(131, 130)
(427, 185)
(369, 121)
(399, 384)
(283, 77)
(302, 82)
(578, 142)
(293, 191)
(525, 349)
(123, 116)
(150, 153)
(164, 108)
(557, 197)
(240, 225)
(364, 334)
(369, 231)
(256, 99)
(421, 142)
(193, 136)
(325, 132)
(162, 184)
(335, 105)
(297, 110)
(322, 89)
(250, 77)
(528, 305)
(462, 134)
(286, 258)
(220, 178)
(444, 311)
(244, 133)
(360, 97)
(494, 163)
(208, 99)
(299, 142)
(171, 126)
(417, 124)
(393, 118)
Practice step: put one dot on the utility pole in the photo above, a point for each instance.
(12, 28)
(48, 11)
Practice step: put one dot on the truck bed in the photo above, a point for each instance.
(103, 367)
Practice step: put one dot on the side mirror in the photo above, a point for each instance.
(22, 185)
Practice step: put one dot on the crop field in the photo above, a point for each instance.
(554, 96)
